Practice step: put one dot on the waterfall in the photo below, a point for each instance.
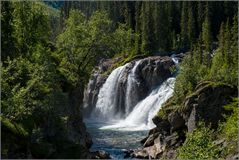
(107, 98)
(131, 88)
(141, 116)
(175, 60)
(133, 94)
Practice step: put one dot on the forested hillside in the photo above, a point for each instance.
(49, 50)
(162, 26)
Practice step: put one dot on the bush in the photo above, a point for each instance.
(229, 129)
(190, 74)
(199, 145)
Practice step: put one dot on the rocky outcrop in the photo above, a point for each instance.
(205, 104)
(147, 73)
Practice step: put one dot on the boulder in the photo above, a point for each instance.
(153, 130)
(163, 125)
(206, 104)
(176, 121)
(154, 151)
(142, 154)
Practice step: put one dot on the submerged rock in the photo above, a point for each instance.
(128, 154)
(100, 155)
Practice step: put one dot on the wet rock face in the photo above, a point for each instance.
(148, 73)
(154, 70)
(205, 104)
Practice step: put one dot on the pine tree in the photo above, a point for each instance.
(164, 25)
(200, 16)
(221, 39)
(137, 27)
(156, 23)
(234, 32)
(207, 36)
(146, 28)
(227, 46)
(7, 39)
(183, 24)
(191, 24)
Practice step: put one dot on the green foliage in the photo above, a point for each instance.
(7, 39)
(124, 36)
(183, 24)
(199, 145)
(230, 128)
(199, 66)
(206, 33)
(225, 62)
(189, 75)
(84, 41)
(31, 25)
(13, 128)
(28, 91)
(146, 28)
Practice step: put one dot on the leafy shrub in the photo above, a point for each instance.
(190, 74)
(229, 129)
(199, 145)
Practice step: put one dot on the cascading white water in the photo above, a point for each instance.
(137, 115)
(108, 95)
(175, 60)
(141, 116)
(131, 88)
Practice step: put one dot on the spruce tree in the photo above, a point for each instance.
(183, 24)
(207, 36)
(221, 39)
(146, 28)
(137, 27)
(7, 29)
(191, 24)
(228, 44)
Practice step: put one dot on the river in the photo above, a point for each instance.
(113, 141)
